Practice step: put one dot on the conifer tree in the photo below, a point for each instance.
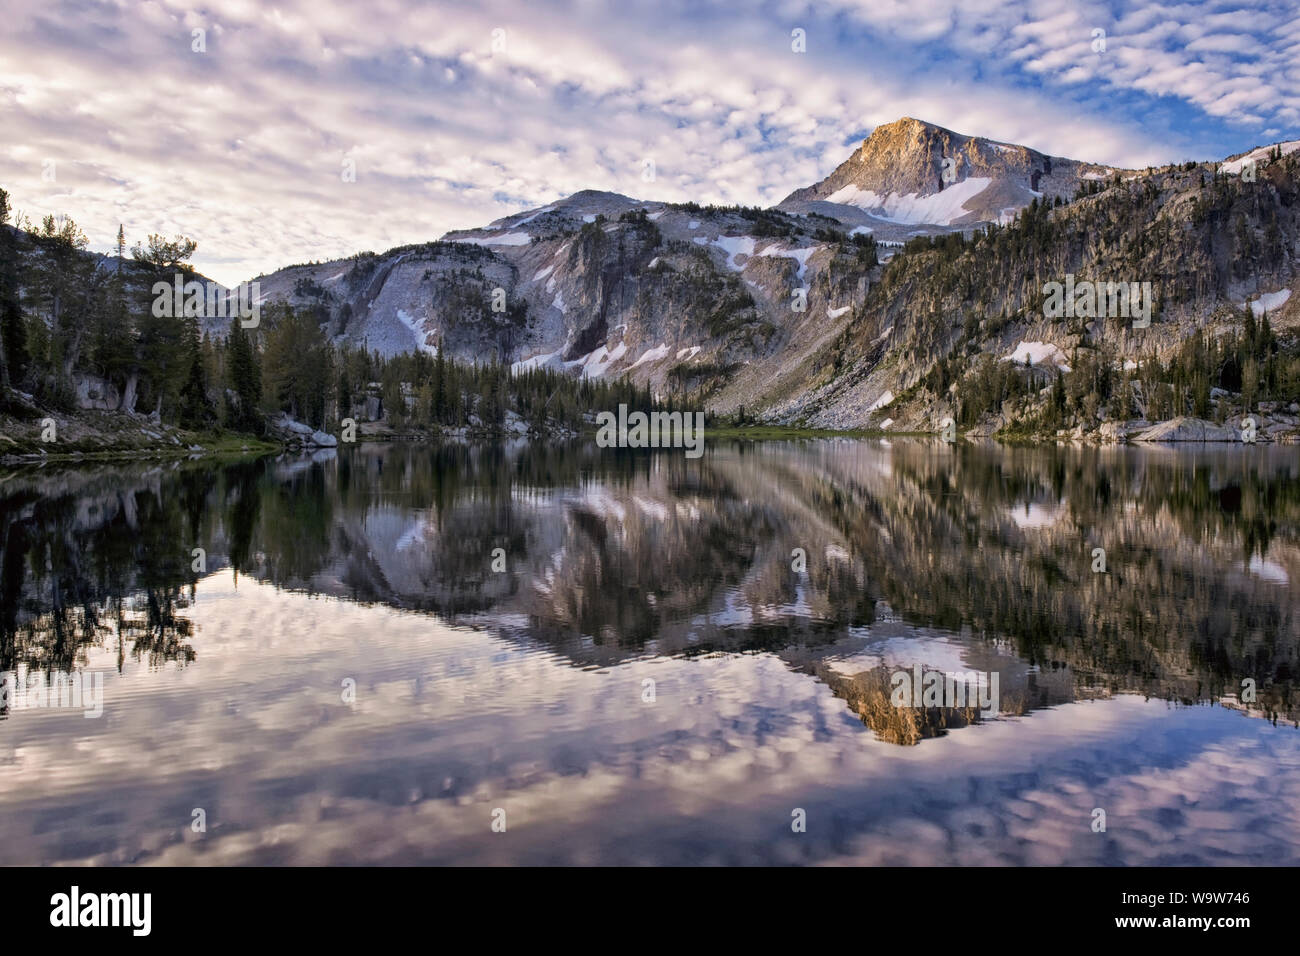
(195, 410)
(244, 379)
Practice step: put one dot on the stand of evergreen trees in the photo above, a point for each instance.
(1249, 364)
(423, 392)
(66, 312)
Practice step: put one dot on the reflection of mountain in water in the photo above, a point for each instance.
(611, 555)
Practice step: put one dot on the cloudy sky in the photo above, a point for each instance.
(455, 114)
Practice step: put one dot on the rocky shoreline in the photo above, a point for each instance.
(90, 435)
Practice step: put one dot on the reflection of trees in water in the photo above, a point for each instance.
(82, 566)
(157, 633)
(1177, 616)
(621, 584)
(296, 521)
(605, 549)
(621, 577)
(610, 552)
(242, 504)
(86, 557)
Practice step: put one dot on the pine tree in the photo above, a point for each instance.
(61, 278)
(440, 387)
(14, 357)
(344, 391)
(1267, 342)
(297, 365)
(1058, 399)
(195, 411)
(1249, 384)
(244, 379)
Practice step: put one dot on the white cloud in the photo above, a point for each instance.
(242, 146)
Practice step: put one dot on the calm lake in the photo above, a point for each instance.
(545, 654)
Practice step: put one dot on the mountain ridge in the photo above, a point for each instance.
(898, 172)
(798, 316)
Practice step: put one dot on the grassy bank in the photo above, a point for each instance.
(109, 437)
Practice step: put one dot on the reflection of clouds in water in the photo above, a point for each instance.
(1022, 791)
(451, 723)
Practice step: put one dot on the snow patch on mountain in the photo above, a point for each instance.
(734, 246)
(1259, 156)
(1038, 353)
(410, 537)
(596, 498)
(799, 255)
(417, 330)
(533, 216)
(506, 239)
(1270, 302)
(652, 509)
(651, 355)
(942, 208)
(597, 363)
(537, 361)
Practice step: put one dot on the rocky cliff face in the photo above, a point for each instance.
(911, 177)
(1208, 246)
(814, 312)
(600, 284)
